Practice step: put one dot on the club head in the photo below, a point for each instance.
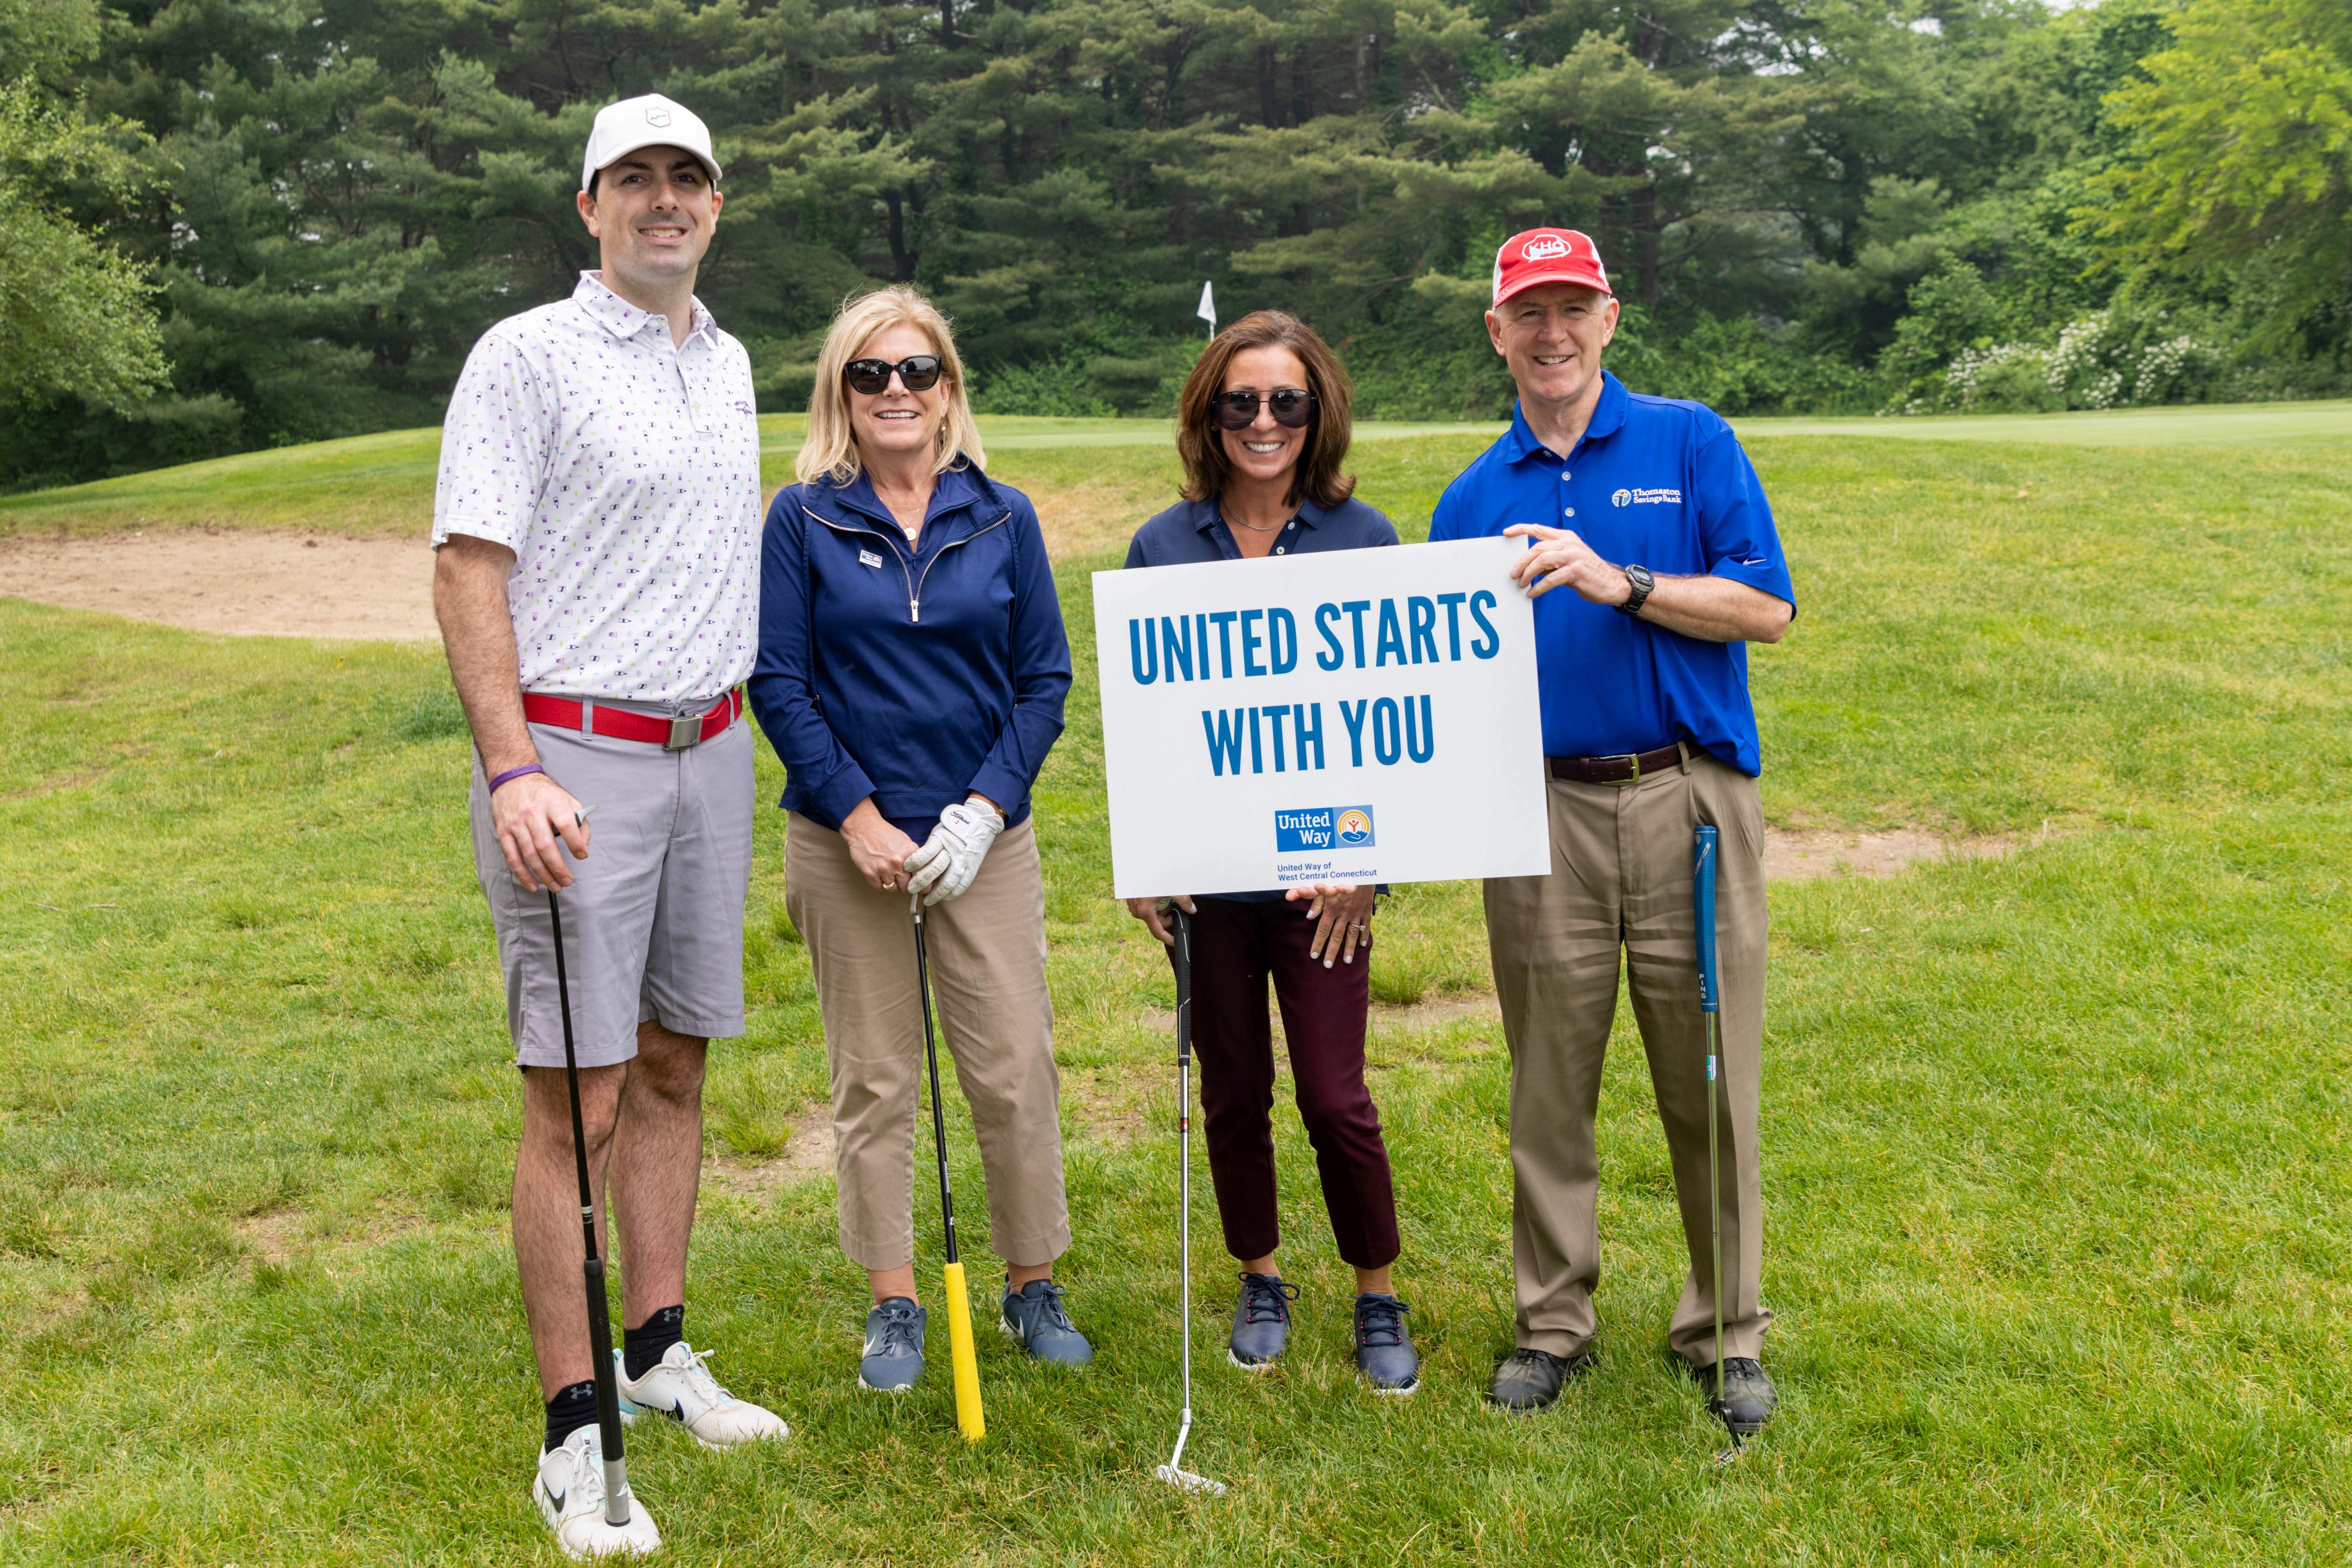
(1727, 1458)
(1190, 1482)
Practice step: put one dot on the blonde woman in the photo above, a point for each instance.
(910, 673)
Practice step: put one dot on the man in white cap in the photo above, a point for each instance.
(597, 528)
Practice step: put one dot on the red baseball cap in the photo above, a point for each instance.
(1548, 256)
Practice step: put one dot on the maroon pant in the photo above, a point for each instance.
(1236, 946)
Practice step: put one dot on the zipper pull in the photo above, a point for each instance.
(914, 611)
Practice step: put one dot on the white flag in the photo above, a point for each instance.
(1208, 310)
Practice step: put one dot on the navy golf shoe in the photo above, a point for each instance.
(1384, 1352)
(1035, 1316)
(894, 1347)
(1261, 1322)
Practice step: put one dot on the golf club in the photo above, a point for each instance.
(1174, 1472)
(1702, 876)
(967, 1364)
(600, 1323)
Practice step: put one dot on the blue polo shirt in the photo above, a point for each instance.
(1656, 482)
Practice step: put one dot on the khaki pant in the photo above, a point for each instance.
(988, 982)
(1620, 879)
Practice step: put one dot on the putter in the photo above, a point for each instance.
(968, 1415)
(1174, 1472)
(600, 1323)
(1702, 876)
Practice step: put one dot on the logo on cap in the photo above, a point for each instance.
(656, 116)
(1544, 248)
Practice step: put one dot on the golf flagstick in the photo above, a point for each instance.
(1703, 878)
(966, 1362)
(600, 1323)
(1174, 1472)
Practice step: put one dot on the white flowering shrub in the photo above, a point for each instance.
(2108, 359)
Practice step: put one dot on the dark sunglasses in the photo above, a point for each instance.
(1238, 410)
(919, 372)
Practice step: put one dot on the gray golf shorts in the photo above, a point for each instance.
(653, 922)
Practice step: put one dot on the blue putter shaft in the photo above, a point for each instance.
(1703, 898)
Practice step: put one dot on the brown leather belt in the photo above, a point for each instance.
(1623, 768)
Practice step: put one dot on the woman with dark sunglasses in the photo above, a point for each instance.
(1263, 426)
(911, 674)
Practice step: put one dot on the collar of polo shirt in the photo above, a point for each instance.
(623, 319)
(1608, 415)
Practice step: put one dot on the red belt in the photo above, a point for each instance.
(669, 734)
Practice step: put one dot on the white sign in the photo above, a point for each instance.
(1360, 716)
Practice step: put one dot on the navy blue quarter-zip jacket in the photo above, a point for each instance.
(916, 675)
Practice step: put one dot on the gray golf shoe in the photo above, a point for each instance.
(1261, 1322)
(1384, 1352)
(894, 1347)
(1748, 1399)
(1034, 1315)
(1531, 1379)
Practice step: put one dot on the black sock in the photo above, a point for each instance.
(642, 1347)
(570, 1410)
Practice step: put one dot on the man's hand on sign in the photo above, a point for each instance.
(1559, 559)
(1346, 911)
(530, 813)
(878, 849)
(1151, 911)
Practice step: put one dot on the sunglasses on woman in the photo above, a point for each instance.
(919, 372)
(1238, 410)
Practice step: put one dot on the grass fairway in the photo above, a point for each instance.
(2055, 1145)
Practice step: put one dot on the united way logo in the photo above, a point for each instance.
(1621, 498)
(1544, 248)
(1307, 829)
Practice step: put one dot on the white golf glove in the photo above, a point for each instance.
(950, 858)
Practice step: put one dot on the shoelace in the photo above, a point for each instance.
(898, 1332)
(1265, 1298)
(699, 1378)
(1050, 1299)
(1523, 1356)
(1379, 1321)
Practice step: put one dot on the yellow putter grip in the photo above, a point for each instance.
(967, 1363)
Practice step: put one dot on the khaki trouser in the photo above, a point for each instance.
(1620, 877)
(988, 980)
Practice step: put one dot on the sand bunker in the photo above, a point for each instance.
(245, 582)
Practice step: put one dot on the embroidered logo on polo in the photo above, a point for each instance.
(1646, 498)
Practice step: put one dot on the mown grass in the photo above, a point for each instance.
(2056, 1149)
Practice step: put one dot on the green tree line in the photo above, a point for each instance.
(228, 224)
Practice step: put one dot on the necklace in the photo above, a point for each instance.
(1256, 527)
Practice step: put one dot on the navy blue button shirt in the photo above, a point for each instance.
(913, 674)
(1656, 482)
(1192, 532)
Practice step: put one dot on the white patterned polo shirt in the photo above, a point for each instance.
(625, 475)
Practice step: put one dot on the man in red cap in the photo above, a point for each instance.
(1647, 511)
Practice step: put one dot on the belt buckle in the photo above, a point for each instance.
(1632, 760)
(684, 732)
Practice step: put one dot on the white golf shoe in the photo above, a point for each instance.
(682, 1388)
(570, 1493)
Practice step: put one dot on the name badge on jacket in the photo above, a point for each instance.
(867, 558)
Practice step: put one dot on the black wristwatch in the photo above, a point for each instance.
(1643, 582)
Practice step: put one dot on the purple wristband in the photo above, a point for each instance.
(513, 774)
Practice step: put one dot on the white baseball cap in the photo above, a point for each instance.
(652, 121)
